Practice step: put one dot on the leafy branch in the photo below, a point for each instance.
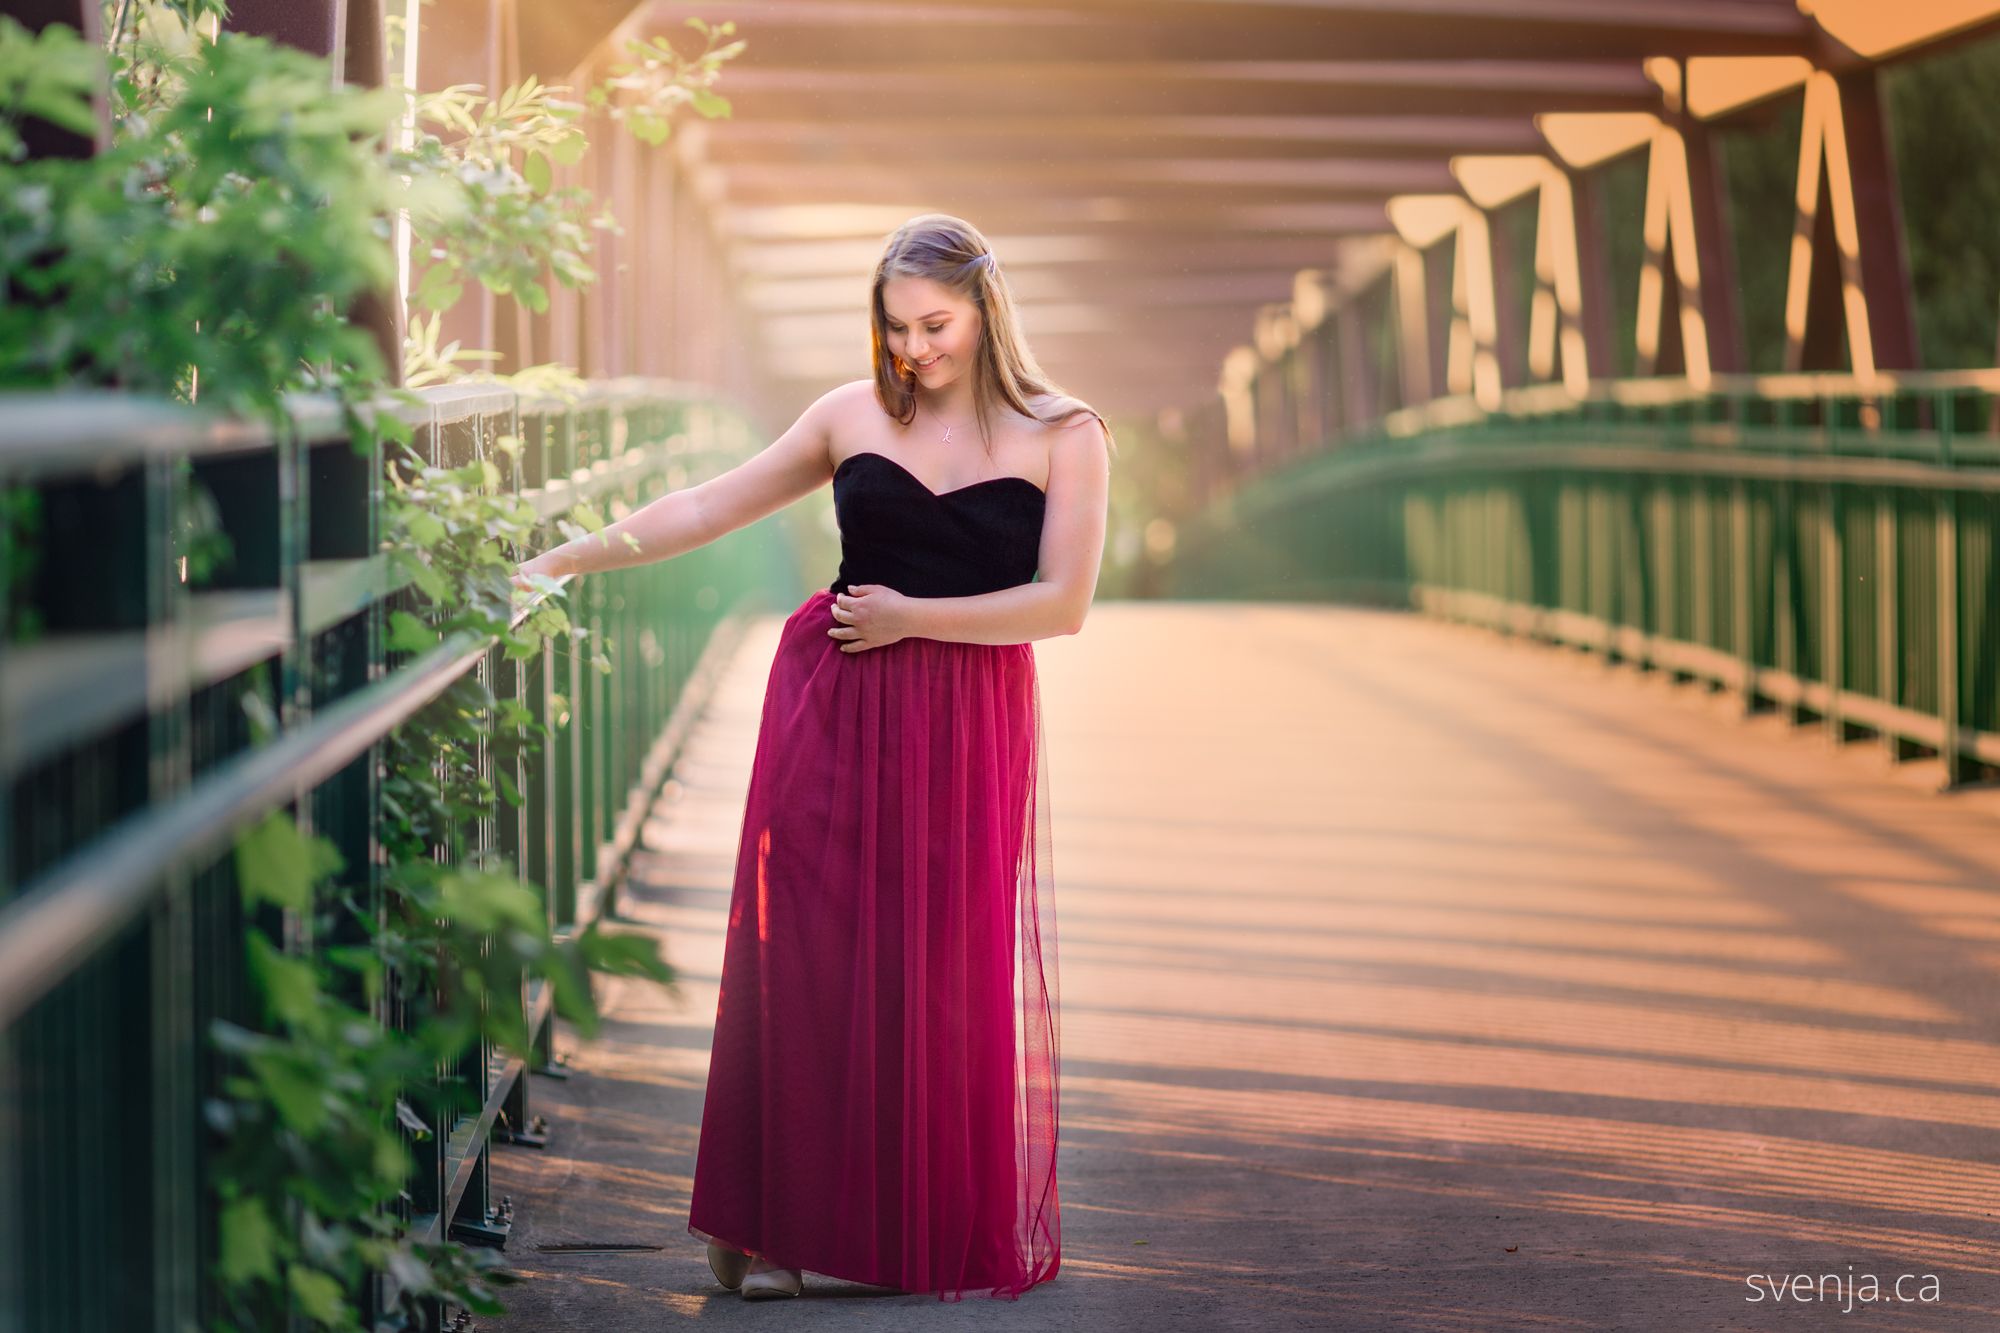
(487, 207)
(211, 252)
(647, 93)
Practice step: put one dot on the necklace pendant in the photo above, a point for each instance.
(947, 436)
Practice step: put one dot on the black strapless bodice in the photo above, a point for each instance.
(897, 532)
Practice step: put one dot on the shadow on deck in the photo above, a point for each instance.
(1411, 978)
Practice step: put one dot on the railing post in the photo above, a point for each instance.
(1833, 611)
(1950, 714)
(1784, 591)
(1833, 591)
(1663, 620)
(1739, 515)
(1888, 612)
(1701, 558)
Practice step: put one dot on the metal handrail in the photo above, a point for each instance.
(1669, 390)
(1372, 460)
(61, 917)
(58, 919)
(1764, 535)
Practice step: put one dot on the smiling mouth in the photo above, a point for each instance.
(926, 365)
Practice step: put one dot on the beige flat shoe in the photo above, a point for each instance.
(767, 1280)
(729, 1266)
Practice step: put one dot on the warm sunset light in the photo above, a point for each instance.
(1720, 84)
(1824, 143)
(1422, 220)
(1586, 139)
(1283, 663)
(1669, 218)
(1493, 181)
(1874, 28)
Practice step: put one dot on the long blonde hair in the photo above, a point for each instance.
(951, 252)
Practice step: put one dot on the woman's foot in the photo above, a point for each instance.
(766, 1279)
(729, 1266)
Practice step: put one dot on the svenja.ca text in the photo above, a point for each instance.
(1851, 1290)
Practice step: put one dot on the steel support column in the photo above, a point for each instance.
(1878, 214)
(1715, 267)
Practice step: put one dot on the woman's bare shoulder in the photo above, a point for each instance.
(851, 400)
(845, 410)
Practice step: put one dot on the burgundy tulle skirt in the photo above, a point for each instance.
(882, 1091)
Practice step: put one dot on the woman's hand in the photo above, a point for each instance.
(541, 565)
(871, 616)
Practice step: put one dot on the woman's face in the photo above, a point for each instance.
(932, 330)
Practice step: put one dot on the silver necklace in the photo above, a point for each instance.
(946, 437)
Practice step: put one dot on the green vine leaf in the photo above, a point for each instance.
(488, 902)
(275, 863)
(249, 1243)
(424, 529)
(430, 581)
(47, 76)
(290, 985)
(568, 149)
(407, 634)
(319, 1296)
(624, 954)
(299, 1098)
(549, 621)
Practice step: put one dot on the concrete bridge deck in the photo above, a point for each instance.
(1411, 978)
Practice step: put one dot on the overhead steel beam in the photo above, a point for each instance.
(1121, 288)
(1300, 87)
(1152, 171)
(1050, 139)
(1139, 254)
(1080, 319)
(909, 33)
(1238, 180)
(1109, 214)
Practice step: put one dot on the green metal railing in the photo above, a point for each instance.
(129, 765)
(1813, 542)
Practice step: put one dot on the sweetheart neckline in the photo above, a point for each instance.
(938, 495)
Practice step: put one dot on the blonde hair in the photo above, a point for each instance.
(950, 252)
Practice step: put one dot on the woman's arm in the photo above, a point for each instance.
(1071, 555)
(792, 466)
(1020, 614)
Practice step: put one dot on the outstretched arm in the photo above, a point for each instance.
(794, 465)
(1072, 553)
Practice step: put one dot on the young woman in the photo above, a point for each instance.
(882, 1089)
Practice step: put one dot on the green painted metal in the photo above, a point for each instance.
(127, 760)
(1817, 544)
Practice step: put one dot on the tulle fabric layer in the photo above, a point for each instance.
(882, 1097)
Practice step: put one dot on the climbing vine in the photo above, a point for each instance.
(317, 1122)
(491, 210)
(211, 252)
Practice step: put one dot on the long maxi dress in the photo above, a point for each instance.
(882, 1088)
